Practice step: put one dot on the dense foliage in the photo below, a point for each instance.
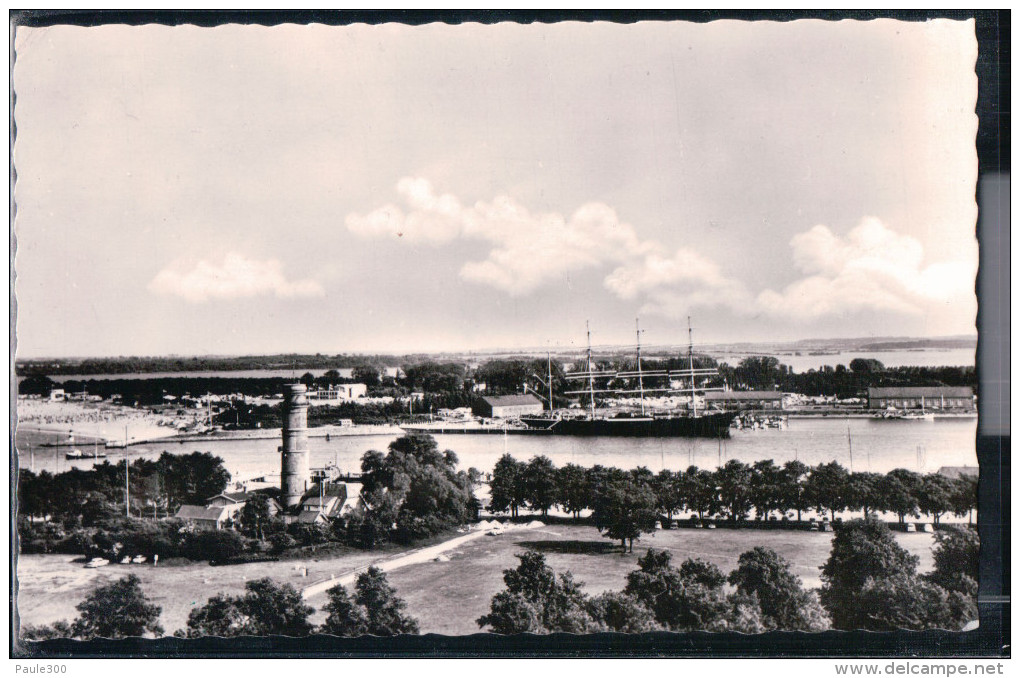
(116, 610)
(871, 582)
(375, 609)
(157, 487)
(265, 609)
(626, 504)
(413, 492)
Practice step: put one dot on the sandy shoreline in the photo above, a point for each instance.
(79, 423)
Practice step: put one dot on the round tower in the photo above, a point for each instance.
(294, 475)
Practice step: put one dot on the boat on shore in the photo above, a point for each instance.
(689, 424)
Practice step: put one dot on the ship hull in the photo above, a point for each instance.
(706, 426)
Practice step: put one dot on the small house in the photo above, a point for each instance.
(507, 406)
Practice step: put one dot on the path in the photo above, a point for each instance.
(415, 557)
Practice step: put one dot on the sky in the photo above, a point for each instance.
(389, 188)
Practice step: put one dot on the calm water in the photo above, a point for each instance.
(953, 357)
(877, 445)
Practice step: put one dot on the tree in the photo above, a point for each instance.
(216, 546)
(58, 629)
(540, 480)
(861, 550)
(415, 486)
(759, 373)
(766, 488)
(572, 490)
(308, 379)
(366, 374)
(190, 478)
(734, 481)
(784, 603)
(899, 490)
(117, 610)
(699, 491)
(690, 598)
(956, 559)
(255, 515)
(345, 617)
(826, 488)
(666, 488)
(375, 609)
(622, 613)
(964, 497)
(863, 491)
(624, 510)
(537, 601)
(866, 366)
(36, 384)
(792, 487)
(506, 485)
(935, 495)
(266, 609)
(912, 603)
(385, 611)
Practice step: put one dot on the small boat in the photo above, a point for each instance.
(74, 454)
(97, 562)
(137, 560)
(125, 560)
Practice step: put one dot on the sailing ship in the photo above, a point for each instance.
(644, 423)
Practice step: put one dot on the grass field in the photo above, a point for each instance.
(446, 597)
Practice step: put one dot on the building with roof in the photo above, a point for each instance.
(204, 518)
(956, 472)
(333, 500)
(744, 400)
(959, 398)
(507, 406)
(337, 393)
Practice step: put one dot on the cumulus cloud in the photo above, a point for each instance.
(527, 249)
(873, 268)
(234, 277)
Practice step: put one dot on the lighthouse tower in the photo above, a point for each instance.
(294, 474)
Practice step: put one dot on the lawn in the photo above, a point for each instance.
(50, 585)
(447, 597)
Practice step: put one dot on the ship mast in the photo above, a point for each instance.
(591, 374)
(548, 358)
(640, 382)
(690, 360)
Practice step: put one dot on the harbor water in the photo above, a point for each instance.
(865, 444)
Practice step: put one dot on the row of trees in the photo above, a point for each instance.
(121, 610)
(133, 364)
(627, 503)
(869, 582)
(659, 596)
(88, 496)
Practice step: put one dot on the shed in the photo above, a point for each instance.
(744, 400)
(507, 406)
(921, 397)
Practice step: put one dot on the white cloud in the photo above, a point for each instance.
(872, 269)
(672, 286)
(528, 249)
(235, 277)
